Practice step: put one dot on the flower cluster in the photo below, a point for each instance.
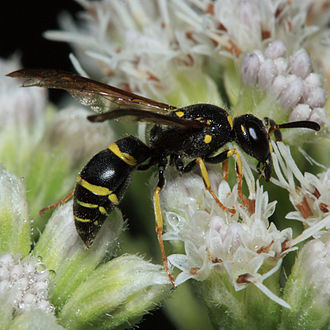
(134, 41)
(215, 241)
(263, 57)
(311, 198)
(25, 283)
(291, 81)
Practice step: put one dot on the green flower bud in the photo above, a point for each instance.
(14, 215)
(307, 289)
(117, 293)
(35, 320)
(63, 251)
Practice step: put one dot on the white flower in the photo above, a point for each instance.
(135, 42)
(25, 283)
(20, 107)
(311, 198)
(230, 28)
(215, 241)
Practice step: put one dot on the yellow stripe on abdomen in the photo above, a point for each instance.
(95, 189)
(125, 157)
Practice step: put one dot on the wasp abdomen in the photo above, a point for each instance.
(102, 184)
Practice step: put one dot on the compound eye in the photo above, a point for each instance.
(253, 133)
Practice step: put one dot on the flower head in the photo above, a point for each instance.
(311, 198)
(268, 58)
(241, 245)
(26, 283)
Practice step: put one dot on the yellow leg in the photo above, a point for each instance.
(159, 231)
(225, 169)
(239, 174)
(207, 184)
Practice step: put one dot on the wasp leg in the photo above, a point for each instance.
(159, 221)
(52, 206)
(207, 184)
(225, 169)
(222, 157)
(179, 164)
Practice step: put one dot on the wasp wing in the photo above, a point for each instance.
(148, 117)
(98, 96)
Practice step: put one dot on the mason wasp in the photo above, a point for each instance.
(184, 137)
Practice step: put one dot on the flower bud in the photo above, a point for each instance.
(275, 49)
(124, 288)
(266, 74)
(249, 69)
(318, 115)
(316, 97)
(14, 215)
(301, 64)
(293, 92)
(279, 84)
(281, 65)
(300, 112)
(36, 319)
(308, 285)
(63, 251)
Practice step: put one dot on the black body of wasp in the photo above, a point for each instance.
(194, 133)
(102, 183)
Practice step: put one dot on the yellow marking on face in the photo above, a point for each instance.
(243, 129)
(230, 121)
(125, 157)
(88, 205)
(82, 220)
(114, 199)
(179, 113)
(207, 138)
(102, 210)
(96, 223)
(97, 190)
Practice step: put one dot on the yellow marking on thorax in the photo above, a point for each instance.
(114, 199)
(179, 113)
(242, 128)
(230, 121)
(97, 190)
(207, 138)
(205, 121)
(125, 157)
